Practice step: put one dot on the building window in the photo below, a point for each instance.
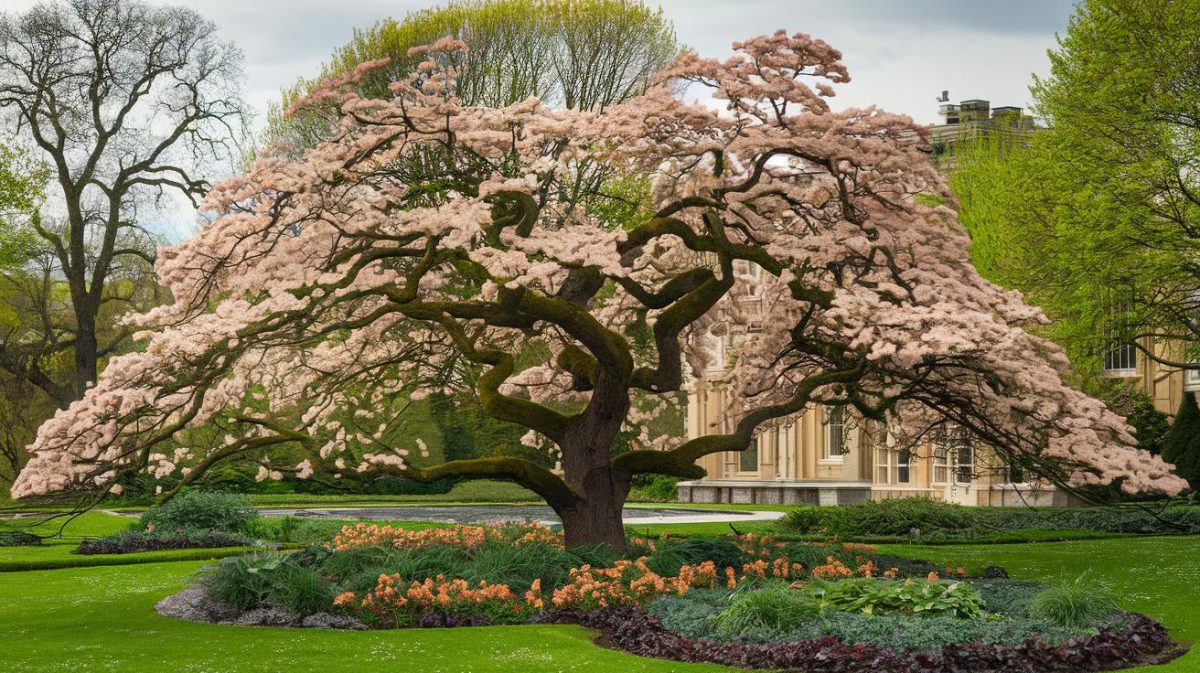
(953, 451)
(941, 471)
(1120, 354)
(904, 466)
(1191, 379)
(883, 468)
(835, 432)
(748, 460)
(964, 463)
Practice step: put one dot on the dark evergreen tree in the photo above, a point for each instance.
(1181, 446)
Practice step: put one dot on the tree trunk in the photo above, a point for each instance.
(597, 519)
(86, 348)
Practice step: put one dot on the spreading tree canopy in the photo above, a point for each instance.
(330, 283)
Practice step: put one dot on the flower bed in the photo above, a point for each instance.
(1140, 641)
(750, 601)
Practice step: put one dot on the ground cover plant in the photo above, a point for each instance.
(931, 520)
(748, 600)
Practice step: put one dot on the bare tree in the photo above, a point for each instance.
(129, 104)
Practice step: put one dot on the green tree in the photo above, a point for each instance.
(1097, 219)
(1181, 446)
(581, 54)
(126, 103)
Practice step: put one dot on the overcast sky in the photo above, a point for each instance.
(901, 53)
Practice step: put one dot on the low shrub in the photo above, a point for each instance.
(1008, 597)
(898, 516)
(654, 488)
(878, 596)
(770, 612)
(695, 615)
(133, 541)
(1077, 603)
(932, 520)
(19, 539)
(198, 510)
(242, 582)
(294, 530)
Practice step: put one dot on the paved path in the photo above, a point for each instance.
(634, 516)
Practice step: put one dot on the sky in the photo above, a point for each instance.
(901, 53)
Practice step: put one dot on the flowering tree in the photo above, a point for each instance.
(429, 234)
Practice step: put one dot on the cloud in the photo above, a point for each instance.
(901, 53)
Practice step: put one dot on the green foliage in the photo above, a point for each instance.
(897, 516)
(938, 521)
(870, 596)
(291, 530)
(1076, 219)
(518, 565)
(694, 614)
(269, 578)
(19, 539)
(300, 589)
(672, 554)
(930, 633)
(137, 541)
(654, 488)
(584, 54)
(22, 183)
(1078, 603)
(774, 611)
(1181, 446)
(227, 512)
(1150, 425)
(1007, 596)
(243, 581)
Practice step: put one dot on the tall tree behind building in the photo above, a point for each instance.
(1098, 218)
(578, 54)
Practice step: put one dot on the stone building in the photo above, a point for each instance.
(825, 456)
